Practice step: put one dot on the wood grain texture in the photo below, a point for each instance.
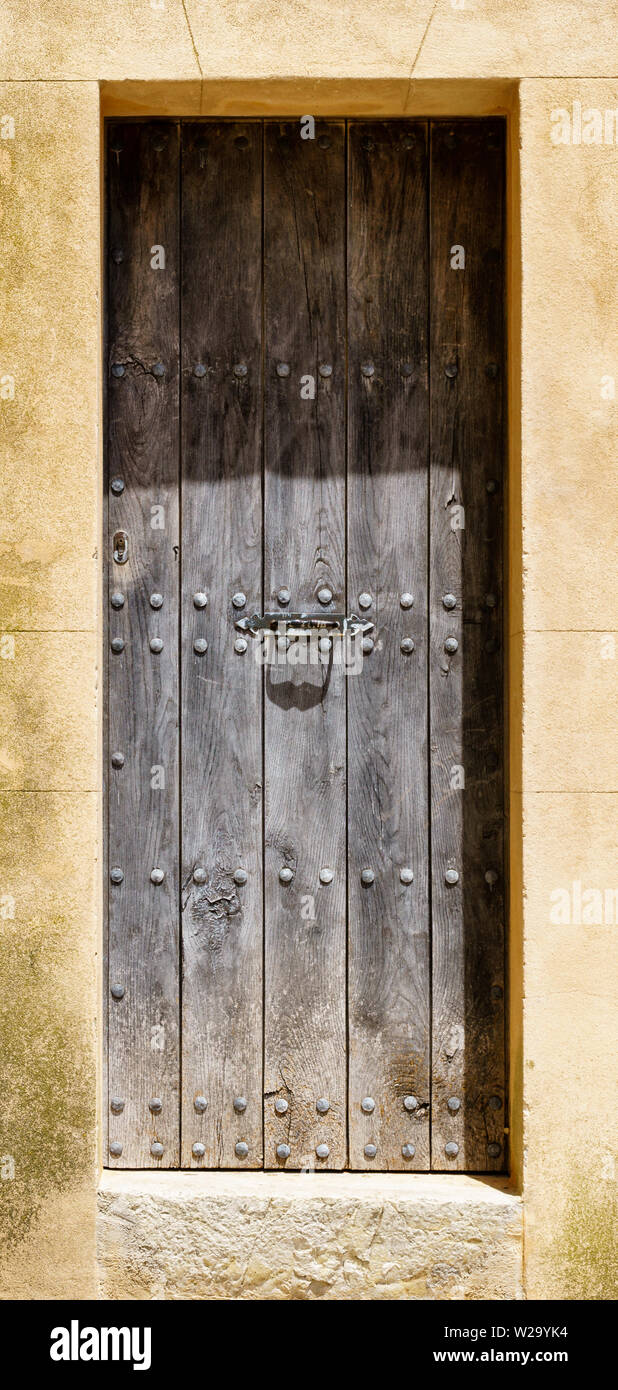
(304, 526)
(143, 685)
(468, 370)
(221, 689)
(388, 443)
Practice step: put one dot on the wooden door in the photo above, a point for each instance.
(305, 857)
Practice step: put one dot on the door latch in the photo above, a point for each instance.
(304, 624)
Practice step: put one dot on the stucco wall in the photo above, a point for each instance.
(388, 57)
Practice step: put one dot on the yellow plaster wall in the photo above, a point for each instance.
(60, 66)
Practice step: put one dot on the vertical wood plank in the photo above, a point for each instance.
(143, 697)
(222, 687)
(466, 687)
(304, 511)
(388, 440)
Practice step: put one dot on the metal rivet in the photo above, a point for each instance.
(200, 646)
(491, 646)
(241, 142)
(199, 369)
(490, 600)
(406, 876)
(365, 600)
(156, 645)
(283, 1151)
(368, 1105)
(156, 1149)
(240, 369)
(491, 761)
(116, 144)
(117, 759)
(240, 645)
(367, 142)
(326, 875)
(367, 368)
(322, 1150)
(159, 142)
(116, 1105)
(240, 1104)
(322, 1105)
(324, 142)
(451, 1149)
(239, 600)
(494, 1150)
(157, 875)
(117, 369)
(156, 600)
(200, 1104)
(116, 875)
(117, 991)
(495, 1103)
(283, 369)
(407, 645)
(117, 644)
(492, 369)
(200, 600)
(367, 876)
(454, 1104)
(324, 644)
(451, 876)
(325, 596)
(156, 1105)
(285, 875)
(117, 484)
(370, 1150)
(410, 1103)
(496, 991)
(283, 596)
(408, 1150)
(281, 1106)
(449, 601)
(406, 369)
(115, 1149)
(325, 369)
(408, 142)
(117, 599)
(199, 875)
(451, 370)
(241, 1149)
(240, 876)
(198, 1150)
(406, 600)
(451, 645)
(491, 877)
(491, 486)
(117, 255)
(367, 644)
(158, 369)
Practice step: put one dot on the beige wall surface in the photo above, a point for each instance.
(546, 65)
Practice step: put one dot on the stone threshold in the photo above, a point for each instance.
(308, 1236)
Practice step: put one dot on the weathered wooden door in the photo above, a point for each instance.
(306, 888)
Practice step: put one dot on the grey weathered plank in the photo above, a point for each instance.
(388, 442)
(143, 698)
(304, 513)
(221, 689)
(466, 689)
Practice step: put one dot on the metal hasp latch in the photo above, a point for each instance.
(304, 624)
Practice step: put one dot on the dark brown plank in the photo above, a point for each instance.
(222, 688)
(143, 699)
(466, 688)
(388, 442)
(304, 513)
